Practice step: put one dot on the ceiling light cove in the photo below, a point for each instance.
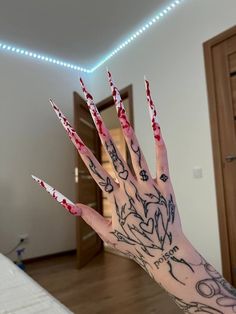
(44, 58)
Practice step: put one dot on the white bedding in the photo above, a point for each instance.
(20, 294)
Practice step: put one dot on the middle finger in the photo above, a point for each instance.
(119, 165)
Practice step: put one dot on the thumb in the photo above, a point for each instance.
(95, 220)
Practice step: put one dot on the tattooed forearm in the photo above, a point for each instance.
(195, 307)
(171, 271)
(215, 286)
(182, 261)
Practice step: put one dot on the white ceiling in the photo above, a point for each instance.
(77, 31)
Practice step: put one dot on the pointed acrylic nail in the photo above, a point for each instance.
(77, 141)
(65, 202)
(119, 106)
(153, 114)
(102, 130)
(87, 95)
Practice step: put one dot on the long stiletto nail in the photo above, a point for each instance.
(64, 201)
(94, 111)
(69, 129)
(152, 110)
(119, 106)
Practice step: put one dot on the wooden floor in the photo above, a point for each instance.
(109, 284)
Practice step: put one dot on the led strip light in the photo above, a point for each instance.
(53, 60)
(41, 57)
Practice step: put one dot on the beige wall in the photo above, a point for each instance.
(171, 56)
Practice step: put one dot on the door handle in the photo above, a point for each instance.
(230, 158)
(76, 175)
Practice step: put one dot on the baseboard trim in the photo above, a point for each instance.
(44, 257)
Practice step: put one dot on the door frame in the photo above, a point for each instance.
(216, 147)
(126, 92)
(83, 259)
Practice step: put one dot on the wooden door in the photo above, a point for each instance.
(220, 56)
(87, 191)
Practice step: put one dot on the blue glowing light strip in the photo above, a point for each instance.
(141, 30)
(34, 55)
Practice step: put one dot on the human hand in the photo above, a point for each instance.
(145, 223)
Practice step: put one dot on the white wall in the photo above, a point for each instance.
(171, 56)
(32, 140)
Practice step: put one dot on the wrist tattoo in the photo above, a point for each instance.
(215, 286)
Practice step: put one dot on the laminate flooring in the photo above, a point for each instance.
(108, 284)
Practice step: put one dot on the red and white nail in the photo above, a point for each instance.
(153, 113)
(64, 201)
(102, 130)
(77, 141)
(120, 107)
